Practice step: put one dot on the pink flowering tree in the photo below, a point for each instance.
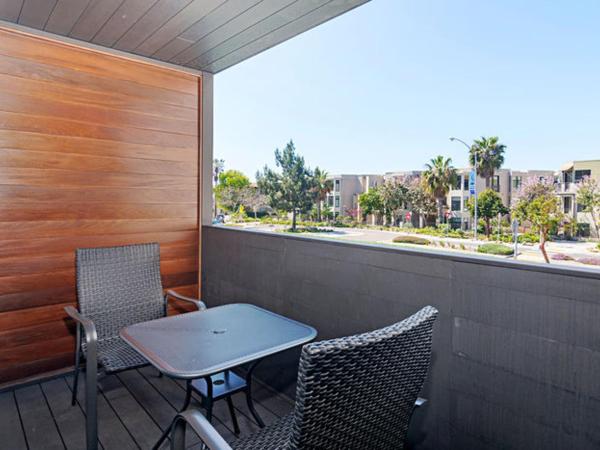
(537, 203)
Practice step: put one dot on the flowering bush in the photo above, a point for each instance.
(561, 257)
(590, 260)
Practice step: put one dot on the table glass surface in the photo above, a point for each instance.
(203, 343)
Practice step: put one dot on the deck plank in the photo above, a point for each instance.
(111, 431)
(140, 425)
(133, 409)
(161, 411)
(174, 393)
(271, 399)
(70, 419)
(38, 423)
(11, 432)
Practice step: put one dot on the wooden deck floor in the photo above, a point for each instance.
(133, 409)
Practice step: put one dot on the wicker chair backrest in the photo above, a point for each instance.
(119, 286)
(358, 392)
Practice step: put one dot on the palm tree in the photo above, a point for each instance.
(218, 166)
(490, 157)
(321, 187)
(438, 177)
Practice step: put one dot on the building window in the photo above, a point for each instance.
(330, 201)
(579, 207)
(457, 183)
(337, 202)
(517, 181)
(455, 204)
(465, 183)
(567, 177)
(567, 205)
(496, 183)
(336, 186)
(580, 174)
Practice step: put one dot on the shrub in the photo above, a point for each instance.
(495, 249)
(411, 240)
(598, 246)
(462, 247)
(442, 231)
(305, 229)
(561, 257)
(590, 260)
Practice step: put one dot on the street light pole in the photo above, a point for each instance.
(474, 184)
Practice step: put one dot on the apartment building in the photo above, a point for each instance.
(504, 181)
(570, 175)
(343, 198)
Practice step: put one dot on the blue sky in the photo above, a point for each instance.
(382, 87)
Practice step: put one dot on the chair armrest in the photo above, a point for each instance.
(203, 428)
(88, 326)
(196, 301)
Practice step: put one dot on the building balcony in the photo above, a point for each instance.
(566, 188)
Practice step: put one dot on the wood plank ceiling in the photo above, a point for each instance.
(209, 35)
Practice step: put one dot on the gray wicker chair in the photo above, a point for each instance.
(116, 287)
(356, 392)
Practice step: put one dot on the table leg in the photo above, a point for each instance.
(186, 403)
(249, 393)
(208, 401)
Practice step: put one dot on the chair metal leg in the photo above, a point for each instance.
(248, 392)
(91, 400)
(77, 368)
(236, 427)
(177, 429)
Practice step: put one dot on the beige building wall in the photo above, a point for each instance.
(570, 175)
(346, 189)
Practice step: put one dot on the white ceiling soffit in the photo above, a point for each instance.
(207, 35)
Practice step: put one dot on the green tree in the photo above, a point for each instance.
(394, 197)
(537, 203)
(229, 190)
(290, 189)
(420, 201)
(489, 205)
(371, 202)
(588, 196)
(438, 176)
(490, 157)
(321, 187)
(234, 179)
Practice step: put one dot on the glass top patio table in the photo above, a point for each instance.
(203, 343)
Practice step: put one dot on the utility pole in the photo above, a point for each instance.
(473, 179)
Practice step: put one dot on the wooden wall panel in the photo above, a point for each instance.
(95, 150)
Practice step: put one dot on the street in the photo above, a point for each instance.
(530, 253)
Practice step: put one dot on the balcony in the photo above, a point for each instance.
(566, 188)
(100, 146)
(515, 353)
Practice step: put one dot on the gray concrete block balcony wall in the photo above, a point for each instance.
(516, 353)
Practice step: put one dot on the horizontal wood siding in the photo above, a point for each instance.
(95, 150)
